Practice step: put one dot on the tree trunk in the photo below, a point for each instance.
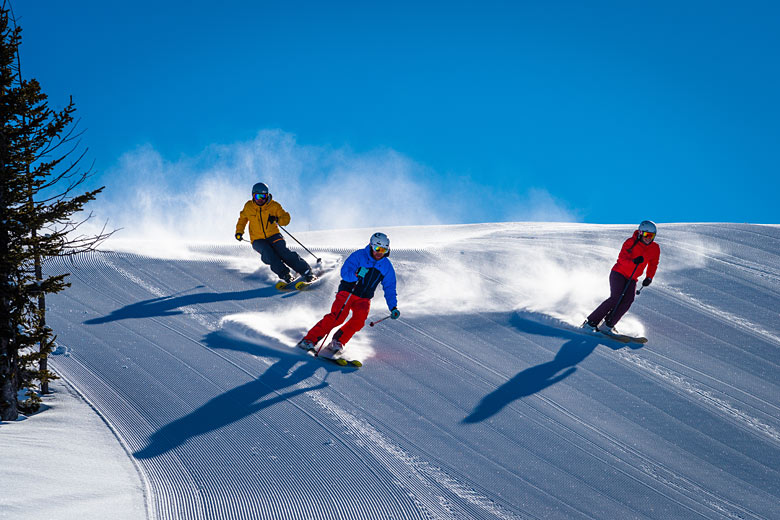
(8, 353)
(8, 384)
(9, 359)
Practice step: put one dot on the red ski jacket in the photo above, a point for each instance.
(633, 248)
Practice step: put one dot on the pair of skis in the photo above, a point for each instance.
(299, 284)
(622, 338)
(326, 353)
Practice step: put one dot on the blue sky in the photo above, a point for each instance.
(608, 112)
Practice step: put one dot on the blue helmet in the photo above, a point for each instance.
(260, 188)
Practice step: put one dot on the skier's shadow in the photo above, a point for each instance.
(171, 305)
(539, 377)
(238, 403)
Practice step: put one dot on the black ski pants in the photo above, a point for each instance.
(274, 252)
(617, 282)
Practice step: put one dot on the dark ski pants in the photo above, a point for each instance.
(617, 282)
(274, 252)
(339, 311)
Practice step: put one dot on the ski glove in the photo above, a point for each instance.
(638, 260)
(395, 313)
(272, 219)
(239, 236)
(646, 282)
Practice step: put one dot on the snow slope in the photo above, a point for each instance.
(481, 402)
(64, 463)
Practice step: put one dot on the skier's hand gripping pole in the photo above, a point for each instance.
(645, 283)
(394, 313)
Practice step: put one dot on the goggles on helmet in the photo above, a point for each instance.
(260, 197)
(380, 249)
(647, 234)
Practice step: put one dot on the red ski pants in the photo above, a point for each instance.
(342, 305)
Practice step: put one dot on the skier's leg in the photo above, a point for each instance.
(624, 305)
(360, 309)
(291, 258)
(270, 258)
(338, 313)
(616, 284)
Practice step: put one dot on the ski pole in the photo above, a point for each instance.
(319, 260)
(628, 282)
(380, 321)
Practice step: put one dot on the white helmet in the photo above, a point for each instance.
(380, 240)
(647, 226)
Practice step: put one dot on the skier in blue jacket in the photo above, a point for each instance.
(363, 270)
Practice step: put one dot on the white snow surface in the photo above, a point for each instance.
(65, 463)
(482, 401)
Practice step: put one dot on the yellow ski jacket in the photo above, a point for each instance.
(257, 216)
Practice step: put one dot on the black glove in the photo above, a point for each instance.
(239, 236)
(395, 313)
(638, 260)
(646, 282)
(272, 219)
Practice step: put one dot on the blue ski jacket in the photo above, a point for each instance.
(360, 275)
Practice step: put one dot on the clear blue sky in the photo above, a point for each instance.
(619, 110)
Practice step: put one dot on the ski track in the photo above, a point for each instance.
(402, 482)
(743, 323)
(434, 506)
(650, 468)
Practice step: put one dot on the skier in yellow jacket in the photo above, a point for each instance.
(263, 213)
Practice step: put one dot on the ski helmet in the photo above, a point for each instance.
(260, 193)
(647, 228)
(260, 188)
(379, 241)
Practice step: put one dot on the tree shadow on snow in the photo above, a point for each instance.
(535, 379)
(171, 305)
(240, 402)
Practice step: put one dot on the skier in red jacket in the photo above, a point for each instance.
(638, 252)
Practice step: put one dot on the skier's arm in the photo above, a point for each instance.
(350, 268)
(652, 264)
(625, 254)
(388, 286)
(282, 217)
(241, 224)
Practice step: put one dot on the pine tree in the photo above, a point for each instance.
(37, 206)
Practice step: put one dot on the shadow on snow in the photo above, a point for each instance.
(242, 401)
(171, 305)
(535, 379)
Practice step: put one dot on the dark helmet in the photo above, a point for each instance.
(260, 194)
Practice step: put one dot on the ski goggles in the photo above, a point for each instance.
(260, 197)
(647, 234)
(380, 249)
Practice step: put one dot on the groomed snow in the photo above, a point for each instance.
(482, 401)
